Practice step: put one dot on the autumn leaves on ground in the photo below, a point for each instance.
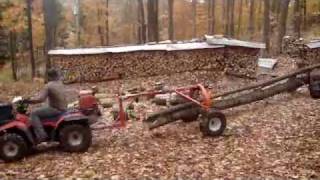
(274, 138)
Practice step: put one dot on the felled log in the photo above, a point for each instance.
(184, 110)
(261, 91)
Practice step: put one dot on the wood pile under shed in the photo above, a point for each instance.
(100, 64)
(311, 53)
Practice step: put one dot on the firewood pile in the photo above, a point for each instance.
(311, 53)
(241, 61)
(293, 46)
(109, 66)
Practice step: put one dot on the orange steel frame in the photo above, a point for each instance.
(205, 103)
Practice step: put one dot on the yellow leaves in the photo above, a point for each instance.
(14, 18)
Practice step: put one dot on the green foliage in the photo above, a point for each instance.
(6, 74)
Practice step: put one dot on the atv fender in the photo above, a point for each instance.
(73, 117)
(19, 128)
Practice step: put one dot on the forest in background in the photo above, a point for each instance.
(92, 23)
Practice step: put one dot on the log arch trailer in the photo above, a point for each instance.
(213, 121)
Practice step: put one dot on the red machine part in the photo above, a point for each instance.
(87, 101)
(205, 101)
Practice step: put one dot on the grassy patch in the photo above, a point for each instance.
(6, 74)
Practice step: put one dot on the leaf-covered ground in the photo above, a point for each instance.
(275, 138)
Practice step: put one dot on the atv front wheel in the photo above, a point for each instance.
(213, 124)
(13, 147)
(75, 138)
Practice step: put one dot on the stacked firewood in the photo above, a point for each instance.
(311, 56)
(94, 68)
(293, 46)
(241, 61)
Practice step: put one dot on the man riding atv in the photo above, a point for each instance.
(54, 91)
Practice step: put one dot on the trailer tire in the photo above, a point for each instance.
(213, 124)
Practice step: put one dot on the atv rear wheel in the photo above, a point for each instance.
(213, 124)
(13, 147)
(75, 138)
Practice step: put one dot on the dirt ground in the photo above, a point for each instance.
(275, 138)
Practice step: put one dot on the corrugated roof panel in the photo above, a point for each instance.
(313, 45)
(154, 47)
(233, 42)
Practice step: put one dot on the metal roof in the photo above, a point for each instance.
(233, 42)
(313, 44)
(146, 47)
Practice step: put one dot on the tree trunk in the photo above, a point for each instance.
(251, 27)
(297, 19)
(49, 24)
(107, 23)
(227, 24)
(305, 15)
(99, 28)
(283, 23)
(12, 44)
(231, 28)
(212, 16)
(171, 22)
(194, 18)
(77, 21)
(142, 23)
(240, 18)
(266, 29)
(32, 61)
(153, 25)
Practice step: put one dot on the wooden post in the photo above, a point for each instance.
(12, 41)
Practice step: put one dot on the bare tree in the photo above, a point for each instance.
(231, 28)
(304, 14)
(266, 30)
(297, 19)
(77, 11)
(107, 23)
(171, 22)
(251, 27)
(240, 17)
(153, 24)
(142, 24)
(283, 23)
(194, 18)
(29, 15)
(212, 16)
(99, 27)
(50, 22)
(12, 44)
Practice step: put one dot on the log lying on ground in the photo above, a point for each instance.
(189, 109)
(271, 81)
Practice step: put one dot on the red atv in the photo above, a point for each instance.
(71, 128)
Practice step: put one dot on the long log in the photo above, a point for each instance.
(269, 82)
(184, 106)
(175, 113)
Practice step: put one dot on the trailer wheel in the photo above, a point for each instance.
(213, 124)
